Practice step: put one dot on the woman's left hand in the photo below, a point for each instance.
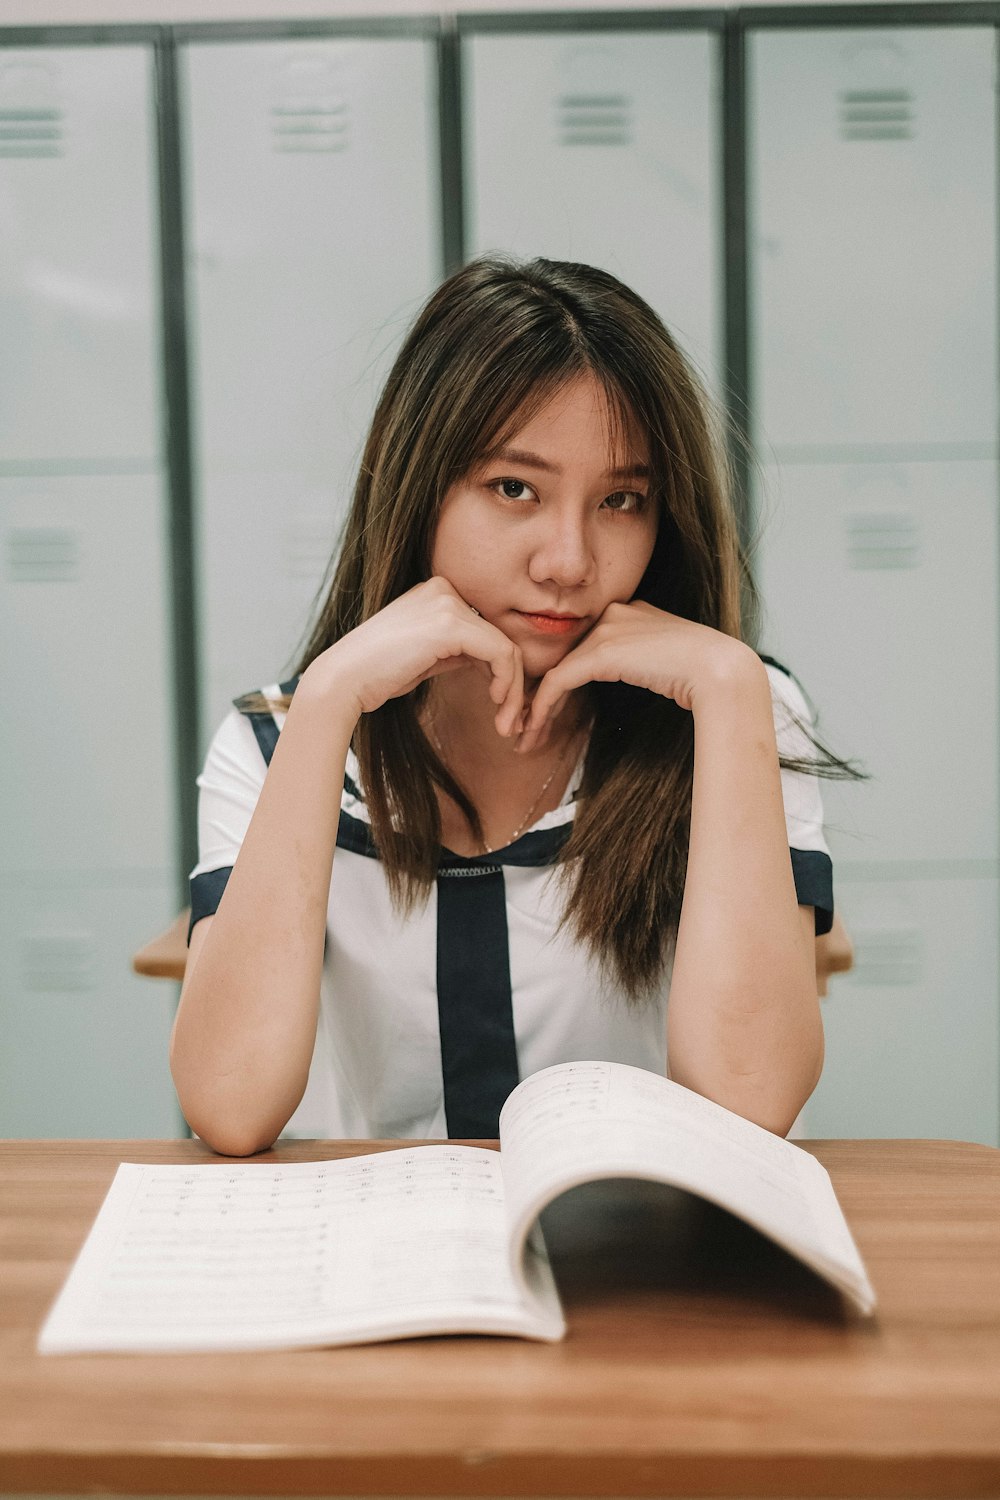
(646, 647)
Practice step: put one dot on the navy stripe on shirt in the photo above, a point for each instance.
(812, 871)
(475, 1011)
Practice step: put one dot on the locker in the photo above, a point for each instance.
(84, 1042)
(880, 585)
(872, 204)
(85, 647)
(912, 1045)
(312, 226)
(603, 147)
(79, 264)
(256, 616)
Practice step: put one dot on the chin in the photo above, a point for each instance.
(541, 659)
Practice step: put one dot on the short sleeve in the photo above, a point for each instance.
(228, 788)
(811, 863)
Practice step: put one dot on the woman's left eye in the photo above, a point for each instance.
(513, 489)
(625, 500)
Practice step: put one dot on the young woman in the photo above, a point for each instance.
(526, 804)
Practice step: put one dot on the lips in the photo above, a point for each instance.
(552, 624)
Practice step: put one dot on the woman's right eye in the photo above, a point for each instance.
(513, 489)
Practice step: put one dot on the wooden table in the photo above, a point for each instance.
(700, 1360)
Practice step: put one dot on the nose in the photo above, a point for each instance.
(562, 553)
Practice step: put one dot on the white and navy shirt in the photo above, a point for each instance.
(426, 1022)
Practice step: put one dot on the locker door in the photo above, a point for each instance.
(84, 635)
(84, 1042)
(78, 267)
(911, 1032)
(873, 203)
(602, 147)
(880, 582)
(873, 273)
(312, 228)
(87, 862)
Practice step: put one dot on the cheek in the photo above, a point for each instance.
(467, 549)
(628, 562)
(648, 547)
(454, 538)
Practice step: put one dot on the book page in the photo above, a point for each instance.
(251, 1255)
(578, 1122)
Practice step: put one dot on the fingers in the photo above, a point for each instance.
(510, 709)
(482, 645)
(574, 671)
(507, 686)
(607, 653)
(487, 645)
(537, 728)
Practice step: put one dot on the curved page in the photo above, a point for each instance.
(583, 1121)
(258, 1255)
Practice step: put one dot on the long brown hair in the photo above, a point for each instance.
(488, 349)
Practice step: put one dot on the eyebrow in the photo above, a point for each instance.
(535, 461)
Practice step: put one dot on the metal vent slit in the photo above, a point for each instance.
(873, 96)
(43, 554)
(310, 111)
(56, 961)
(594, 101)
(876, 115)
(594, 119)
(32, 119)
(883, 540)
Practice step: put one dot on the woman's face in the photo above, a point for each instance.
(549, 533)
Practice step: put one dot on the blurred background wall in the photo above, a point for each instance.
(215, 226)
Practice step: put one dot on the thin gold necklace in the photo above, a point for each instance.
(526, 820)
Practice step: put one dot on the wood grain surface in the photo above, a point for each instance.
(700, 1359)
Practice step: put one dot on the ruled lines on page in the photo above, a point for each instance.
(257, 1254)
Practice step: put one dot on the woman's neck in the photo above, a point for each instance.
(510, 791)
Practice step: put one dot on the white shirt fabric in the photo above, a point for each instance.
(376, 1070)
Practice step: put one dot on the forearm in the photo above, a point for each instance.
(246, 1024)
(744, 1025)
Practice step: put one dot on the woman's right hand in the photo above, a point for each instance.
(428, 630)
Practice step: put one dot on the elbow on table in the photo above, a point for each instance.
(238, 1147)
(754, 1096)
(232, 1115)
(227, 1140)
(227, 1126)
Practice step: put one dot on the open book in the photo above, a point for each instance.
(423, 1239)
